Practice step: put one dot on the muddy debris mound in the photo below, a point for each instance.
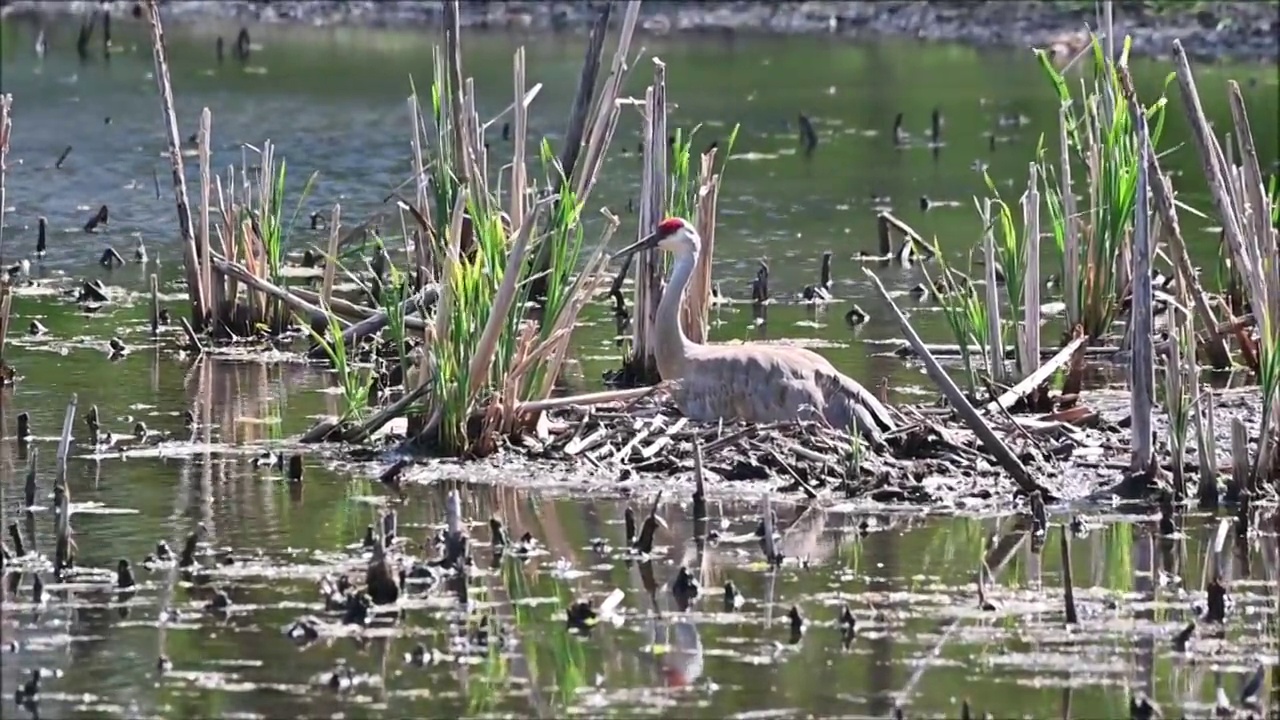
(931, 460)
(1076, 452)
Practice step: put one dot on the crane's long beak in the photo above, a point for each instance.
(648, 242)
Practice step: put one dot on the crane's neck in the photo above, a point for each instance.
(671, 347)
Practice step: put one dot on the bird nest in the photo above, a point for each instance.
(928, 461)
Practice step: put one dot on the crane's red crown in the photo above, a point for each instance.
(670, 226)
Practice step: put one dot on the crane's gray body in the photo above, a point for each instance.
(753, 381)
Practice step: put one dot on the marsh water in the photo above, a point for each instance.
(333, 101)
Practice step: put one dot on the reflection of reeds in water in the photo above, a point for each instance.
(249, 398)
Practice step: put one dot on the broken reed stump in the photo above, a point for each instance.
(913, 244)
(15, 535)
(643, 365)
(64, 544)
(644, 542)
(155, 306)
(768, 543)
(699, 479)
(295, 468)
(629, 526)
(29, 487)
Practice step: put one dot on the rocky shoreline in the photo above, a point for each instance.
(1210, 31)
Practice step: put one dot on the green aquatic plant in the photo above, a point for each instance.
(965, 311)
(857, 453)
(353, 382)
(394, 294)
(487, 353)
(1099, 133)
(275, 229)
(683, 196)
(255, 233)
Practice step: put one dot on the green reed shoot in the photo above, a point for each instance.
(485, 352)
(394, 294)
(857, 452)
(488, 351)
(965, 311)
(353, 383)
(472, 284)
(693, 193)
(443, 184)
(1102, 138)
(275, 230)
(683, 199)
(1268, 378)
(682, 185)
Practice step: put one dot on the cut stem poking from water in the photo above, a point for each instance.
(699, 480)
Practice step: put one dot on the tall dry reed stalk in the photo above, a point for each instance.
(200, 313)
(1245, 208)
(6, 305)
(6, 129)
(671, 187)
(653, 202)
(696, 197)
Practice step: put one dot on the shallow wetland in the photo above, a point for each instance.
(815, 576)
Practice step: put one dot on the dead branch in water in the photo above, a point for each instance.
(990, 440)
(1036, 379)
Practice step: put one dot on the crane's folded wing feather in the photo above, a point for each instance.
(772, 383)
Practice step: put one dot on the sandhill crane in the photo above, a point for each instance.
(753, 381)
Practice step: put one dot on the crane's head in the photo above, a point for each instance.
(674, 235)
